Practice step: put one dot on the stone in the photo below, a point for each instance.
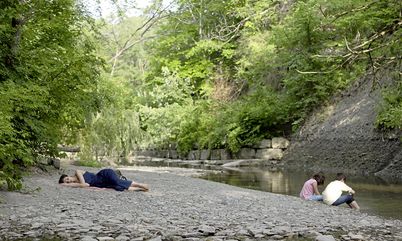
(205, 229)
(356, 237)
(36, 225)
(122, 238)
(83, 230)
(32, 233)
(164, 153)
(345, 237)
(280, 143)
(138, 239)
(213, 162)
(17, 235)
(106, 238)
(243, 232)
(193, 155)
(225, 155)
(88, 238)
(83, 223)
(216, 154)
(269, 154)
(56, 163)
(173, 154)
(282, 229)
(156, 239)
(265, 143)
(255, 231)
(246, 153)
(268, 232)
(205, 154)
(325, 238)
(65, 226)
(190, 235)
(277, 237)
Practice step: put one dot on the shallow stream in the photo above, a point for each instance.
(374, 195)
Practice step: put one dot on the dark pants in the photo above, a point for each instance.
(111, 180)
(343, 199)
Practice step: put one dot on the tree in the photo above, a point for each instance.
(49, 76)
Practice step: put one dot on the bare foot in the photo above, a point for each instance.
(137, 189)
(143, 187)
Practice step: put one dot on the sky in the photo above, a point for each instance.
(104, 8)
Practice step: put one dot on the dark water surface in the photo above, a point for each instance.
(374, 195)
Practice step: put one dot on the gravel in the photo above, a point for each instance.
(177, 207)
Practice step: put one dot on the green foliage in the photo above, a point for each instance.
(390, 116)
(282, 58)
(262, 114)
(319, 48)
(115, 130)
(251, 122)
(194, 41)
(210, 74)
(48, 80)
(164, 107)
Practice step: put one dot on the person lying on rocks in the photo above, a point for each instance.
(333, 193)
(105, 178)
(310, 188)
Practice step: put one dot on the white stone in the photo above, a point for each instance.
(269, 154)
(104, 238)
(325, 238)
(88, 238)
(207, 229)
(280, 143)
(122, 238)
(356, 237)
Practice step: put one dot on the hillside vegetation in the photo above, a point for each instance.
(197, 73)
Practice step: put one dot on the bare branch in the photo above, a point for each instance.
(322, 11)
(347, 46)
(339, 15)
(313, 72)
(234, 32)
(138, 35)
(386, 30)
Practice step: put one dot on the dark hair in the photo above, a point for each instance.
(340, 176)
(61, 180)
(319, 178)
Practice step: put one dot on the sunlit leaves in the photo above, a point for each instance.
(48, 80)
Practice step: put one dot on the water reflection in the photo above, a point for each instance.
(374, 195)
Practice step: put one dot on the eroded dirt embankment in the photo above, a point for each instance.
(342, 137)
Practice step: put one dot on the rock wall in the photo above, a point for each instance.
(342, 137)
(268, 149)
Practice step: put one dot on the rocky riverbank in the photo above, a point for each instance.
(177, 207)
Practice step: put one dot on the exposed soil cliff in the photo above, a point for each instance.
(342, 137)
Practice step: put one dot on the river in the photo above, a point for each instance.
(374, 195)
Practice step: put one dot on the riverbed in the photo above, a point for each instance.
(374, 195)
(177, 207)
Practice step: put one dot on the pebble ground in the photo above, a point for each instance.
(177, 207)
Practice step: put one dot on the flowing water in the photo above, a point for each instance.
(374, 195)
